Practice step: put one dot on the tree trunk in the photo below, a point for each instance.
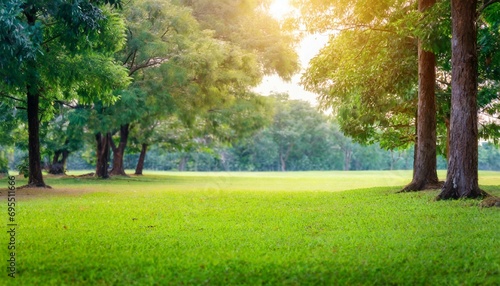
(119, 151)
(35, 165)
(393, 161)
(140, 163)
(102, 152)
(58, 167)
(65, 159)
(56, 157)
(447, 123)
(462, 176)
(425, 173)
(283, 163)
(33, 93)
(182, 163)
(284, 157)
(347, 158)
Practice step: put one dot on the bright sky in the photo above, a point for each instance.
(307, 49)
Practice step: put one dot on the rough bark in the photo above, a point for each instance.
(35, 165)
(119, 151)
(102, 153)
(425, 172)
(447, 123)
(33, 93)
(462, 176)
(142, 157)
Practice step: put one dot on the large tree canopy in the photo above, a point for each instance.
(367, 73)
(179, 66)
(247, 24)
(61, 50)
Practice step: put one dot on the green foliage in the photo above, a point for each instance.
(63, 52)
(62, 31)
(489, 157)
(179, 72)
(8, 123)
(367, 74)
(23, 167)
(489, 72)
(72, 50)
(368, 71)
(246, 24)
(4, 162)
(247, 228)
(65, 131)
(297, 137)
(433, 29)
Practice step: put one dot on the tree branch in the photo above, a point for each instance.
(129, 56)
(133, 60)
(149, 63)
(485, 5)
(166, 31)
(51, 39)
(11, 97)
(112, 143)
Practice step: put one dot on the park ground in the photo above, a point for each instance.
(294, 228)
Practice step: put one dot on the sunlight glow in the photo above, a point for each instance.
(307, 49)
(280, 8)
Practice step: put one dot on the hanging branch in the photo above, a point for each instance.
(485, 5)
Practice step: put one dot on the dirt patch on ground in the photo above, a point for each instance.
(88, 175)
(33, 193)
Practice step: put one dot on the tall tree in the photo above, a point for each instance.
(48, 42)
(158, 32)
(424, 171)
(462, 176)
(174, 62)
(370, 97)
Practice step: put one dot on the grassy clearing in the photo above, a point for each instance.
(254, 228)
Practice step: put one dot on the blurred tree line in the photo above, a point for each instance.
(293, 136)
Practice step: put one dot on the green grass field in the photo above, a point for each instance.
(297, 228)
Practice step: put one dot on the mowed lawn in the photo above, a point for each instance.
(296, 228)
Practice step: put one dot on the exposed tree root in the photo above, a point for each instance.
(34, 186)
(421, 186)
(451, 193)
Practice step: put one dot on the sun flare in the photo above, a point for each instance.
(280, 8)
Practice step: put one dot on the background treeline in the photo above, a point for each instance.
(294, 136)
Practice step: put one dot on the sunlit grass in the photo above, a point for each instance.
(255, 228)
